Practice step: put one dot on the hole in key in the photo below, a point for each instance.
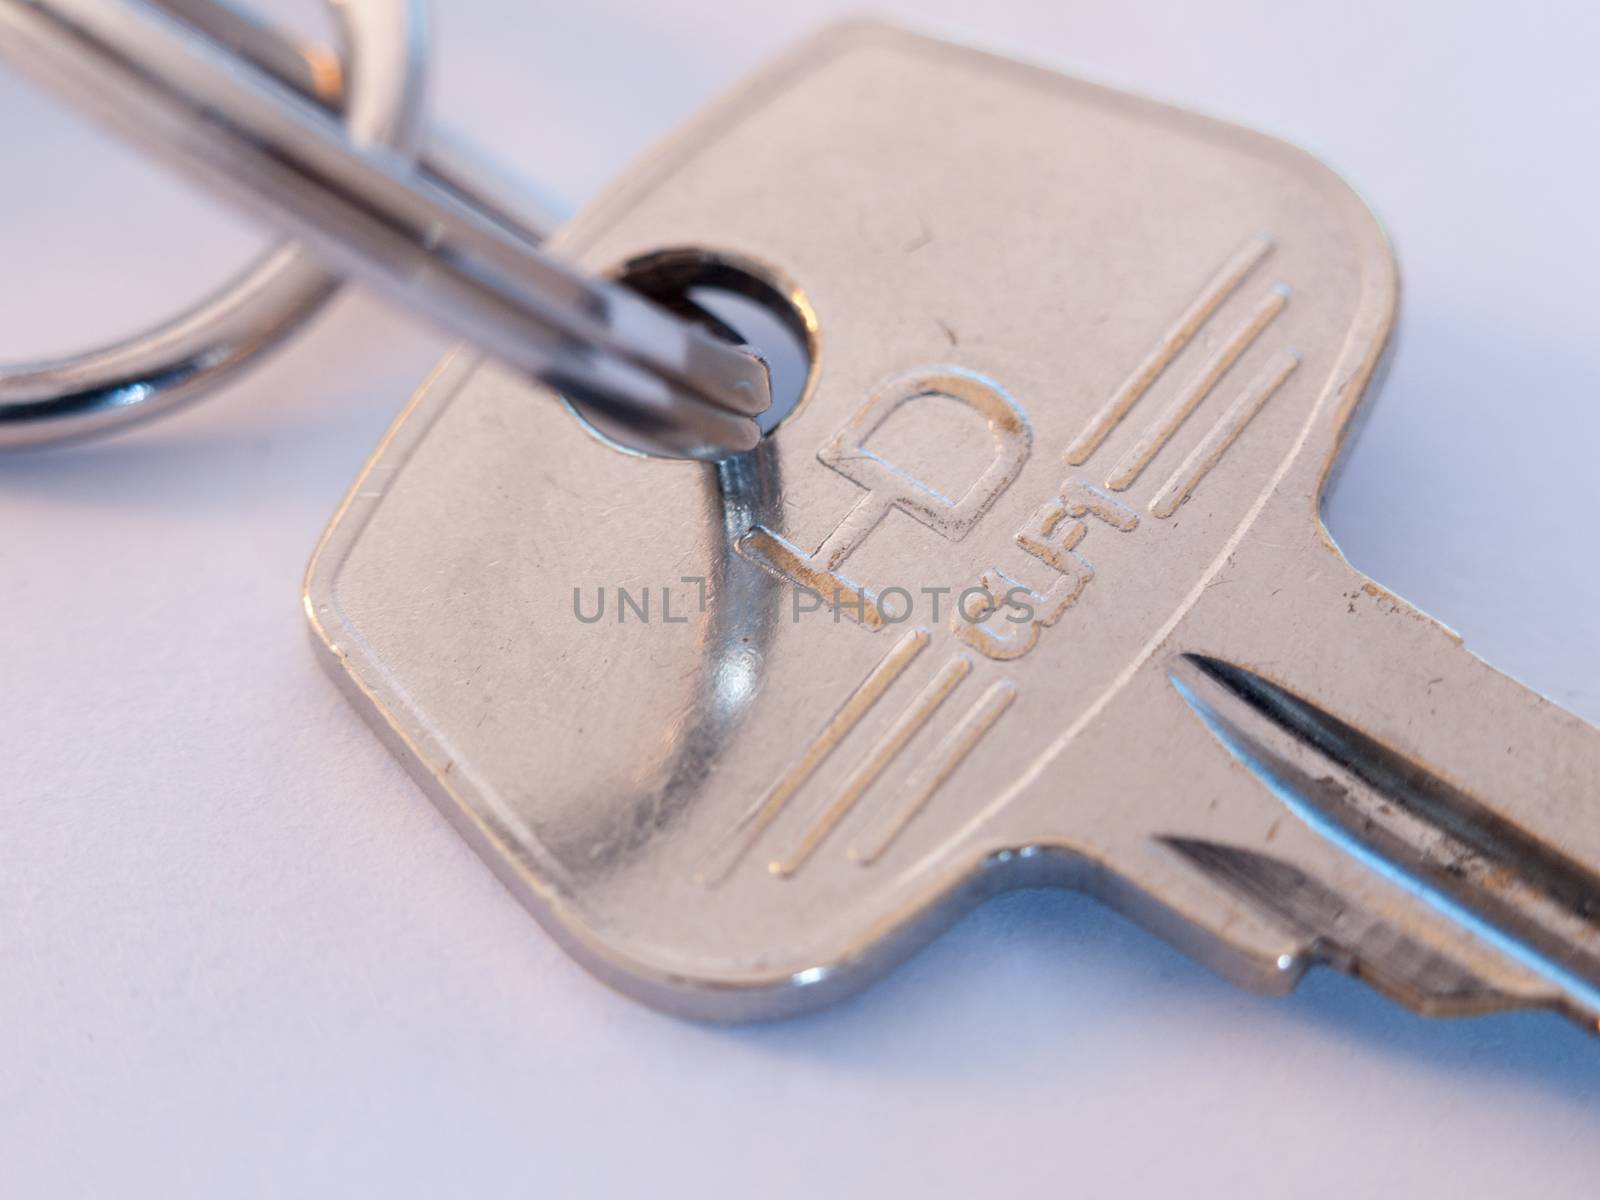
(736, 299)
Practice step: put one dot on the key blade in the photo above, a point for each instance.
(1346, 935)
(1452, 851)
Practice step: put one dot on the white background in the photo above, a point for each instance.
(241, 956)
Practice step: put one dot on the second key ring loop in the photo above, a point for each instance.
(104, 389)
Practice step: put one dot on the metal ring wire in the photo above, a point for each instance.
(104, 389)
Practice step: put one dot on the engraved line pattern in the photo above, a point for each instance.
(931, 775)
(1231, 424)
(884, 752)
(861, 520)
(786, 561)
(736, 844)
(1051, 754)
(1222, 285)
(1199, 386)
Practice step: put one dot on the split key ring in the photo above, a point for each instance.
(110, 387)
(240, 110)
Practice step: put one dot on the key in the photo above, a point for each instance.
(1029, 588)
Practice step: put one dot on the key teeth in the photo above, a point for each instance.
(1340, 933)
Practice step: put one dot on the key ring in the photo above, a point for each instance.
(378, 85)
(181, 89)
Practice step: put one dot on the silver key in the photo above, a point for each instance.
(1030, 589)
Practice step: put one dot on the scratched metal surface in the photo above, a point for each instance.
(250, 959)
